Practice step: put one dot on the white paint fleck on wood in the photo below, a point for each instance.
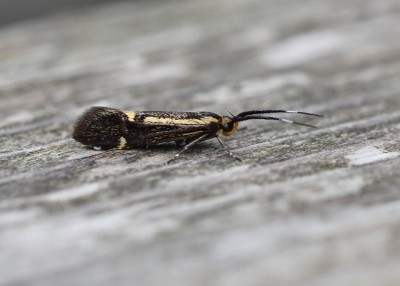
(369, 154)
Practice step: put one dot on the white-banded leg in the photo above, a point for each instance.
(189, 145)
(228, 150)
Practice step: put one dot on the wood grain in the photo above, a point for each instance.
(304, 207)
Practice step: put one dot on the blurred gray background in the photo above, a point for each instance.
(12, 11)
(305, 207)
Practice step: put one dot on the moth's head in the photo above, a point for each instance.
(99, 127)
(228, 125)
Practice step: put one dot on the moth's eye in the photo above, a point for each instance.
(226, 126)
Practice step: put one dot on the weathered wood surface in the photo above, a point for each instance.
(305, 207)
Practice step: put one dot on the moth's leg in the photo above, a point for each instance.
(189, 145)
(227, 149)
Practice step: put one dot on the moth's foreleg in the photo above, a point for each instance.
(228, 150)
(189, 145)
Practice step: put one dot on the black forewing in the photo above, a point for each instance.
(166, 127)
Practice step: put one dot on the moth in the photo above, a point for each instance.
(108, 128)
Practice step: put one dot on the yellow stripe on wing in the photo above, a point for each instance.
(187, 121)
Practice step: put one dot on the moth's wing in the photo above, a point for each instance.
(181, 133)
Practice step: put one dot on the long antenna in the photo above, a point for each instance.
(275, 118)
(265, 111)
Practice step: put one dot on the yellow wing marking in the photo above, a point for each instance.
(131, 115)
(192, 133)
(162, 120)
(122, 143)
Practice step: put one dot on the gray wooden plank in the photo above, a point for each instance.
(304, 207)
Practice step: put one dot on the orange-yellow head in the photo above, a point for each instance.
(228, 126)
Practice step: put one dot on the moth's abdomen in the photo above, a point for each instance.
(101, 127)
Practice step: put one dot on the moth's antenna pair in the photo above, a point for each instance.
(257, 114)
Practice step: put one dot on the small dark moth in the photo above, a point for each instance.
(109, 128)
